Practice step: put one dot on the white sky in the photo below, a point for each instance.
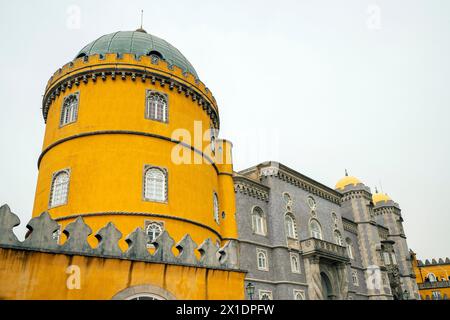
(317, 85)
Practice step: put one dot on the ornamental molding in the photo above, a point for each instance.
(251, 188)
(133, 74)
(290, 176)
(350, 226)
(42, 229)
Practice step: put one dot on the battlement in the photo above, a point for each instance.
(41, 238)
(433, 262)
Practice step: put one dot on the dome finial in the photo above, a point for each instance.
(141, 29)
(346, 173)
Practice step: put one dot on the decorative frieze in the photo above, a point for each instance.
(250, 188)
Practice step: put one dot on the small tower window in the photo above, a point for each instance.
(216, 208)
(258, 221)
(59, 188)
(261, 256)
(69, 110)
(156, 106)
(349, 248)
(155, 184)
(295, 263)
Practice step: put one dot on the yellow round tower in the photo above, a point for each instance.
(131, 138)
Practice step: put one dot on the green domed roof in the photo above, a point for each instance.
(138, 42)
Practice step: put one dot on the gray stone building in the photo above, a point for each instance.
(300, 239)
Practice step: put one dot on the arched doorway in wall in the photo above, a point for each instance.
(144, 292)
(327, 289)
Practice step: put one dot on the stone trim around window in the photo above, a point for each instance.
(166, 191)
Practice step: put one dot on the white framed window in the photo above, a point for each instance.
(265, 295)
(338, 238)
(299, 294)
(155, 184)
(436, 295)
(259, 221)
(295, 262)
(289, 226)
(69, 109)
(153, 230)
(349, 248)
(262, 259)
(315, 229)
(355, 280)
(431, 277)
(59, 190)
(393, 258)
(216, 208)
(156, 106)
(387, 259)
(212, 132)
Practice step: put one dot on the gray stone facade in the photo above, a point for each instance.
(327, 270)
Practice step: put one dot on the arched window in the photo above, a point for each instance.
(156, 107)
(59, 188)
(311, 203)
(261, 256)
(295, 263)
(258, 221)
(145, 296)
(265, 295)
(216, 208)
(155, 184)
(338, 238)
(349, 248)
(289, 226)
(299, 294)
(153, 231)
(431, 277)
(315, 229)
(212, 132)
(69, 110)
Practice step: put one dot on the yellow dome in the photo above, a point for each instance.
(347, 180)
(378, 197)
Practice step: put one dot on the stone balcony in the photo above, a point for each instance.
(324, 249)
(434, 285)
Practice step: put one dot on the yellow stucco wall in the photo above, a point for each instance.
(106, 170)
(441, 271)
(35, 275)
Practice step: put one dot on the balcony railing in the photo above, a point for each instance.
(324, 249)
(434, 284)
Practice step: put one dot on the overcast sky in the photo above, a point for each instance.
(317, 85)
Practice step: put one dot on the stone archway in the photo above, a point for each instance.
(327, 288)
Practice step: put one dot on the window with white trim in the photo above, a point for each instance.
(216, 208)
(295, 262)
(153, 231)
(431, 277)
(315, 229)
(156, 106)
(258, 221)
(355, 280)
(69, 109)
(299, 294)
(393, 258)
(155, 184)
(338, 238)
(349, 248)
(60, 188)
(262, 260)
(265, 295)
(289, 226)
(387, 259)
